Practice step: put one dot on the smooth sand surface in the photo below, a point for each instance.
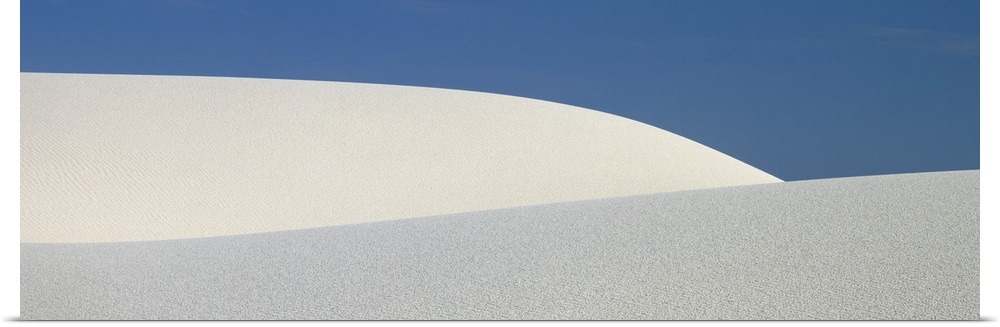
(881, 247)
(126, 158)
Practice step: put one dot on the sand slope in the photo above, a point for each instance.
(882, 247)
(123, 158)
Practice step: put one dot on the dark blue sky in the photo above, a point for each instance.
(802, 89)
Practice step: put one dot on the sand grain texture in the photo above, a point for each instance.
(881, 247)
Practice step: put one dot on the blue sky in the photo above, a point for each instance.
(802, 89)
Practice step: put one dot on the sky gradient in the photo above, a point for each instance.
(800, 89)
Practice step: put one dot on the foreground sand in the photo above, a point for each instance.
(882, 247)
(129, 158)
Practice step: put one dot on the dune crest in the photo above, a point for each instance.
(108, 158)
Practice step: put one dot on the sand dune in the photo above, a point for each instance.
(167, 197)
(882, 247)
(128, 158)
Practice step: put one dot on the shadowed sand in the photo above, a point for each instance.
(881, 247)
(127, 158)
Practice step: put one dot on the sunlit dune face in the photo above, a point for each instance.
(124, 158)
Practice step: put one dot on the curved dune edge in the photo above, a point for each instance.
(109, 158)
(894, 247)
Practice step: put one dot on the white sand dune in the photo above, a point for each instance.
(166, 197)
(129, 158)
(882, 247)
